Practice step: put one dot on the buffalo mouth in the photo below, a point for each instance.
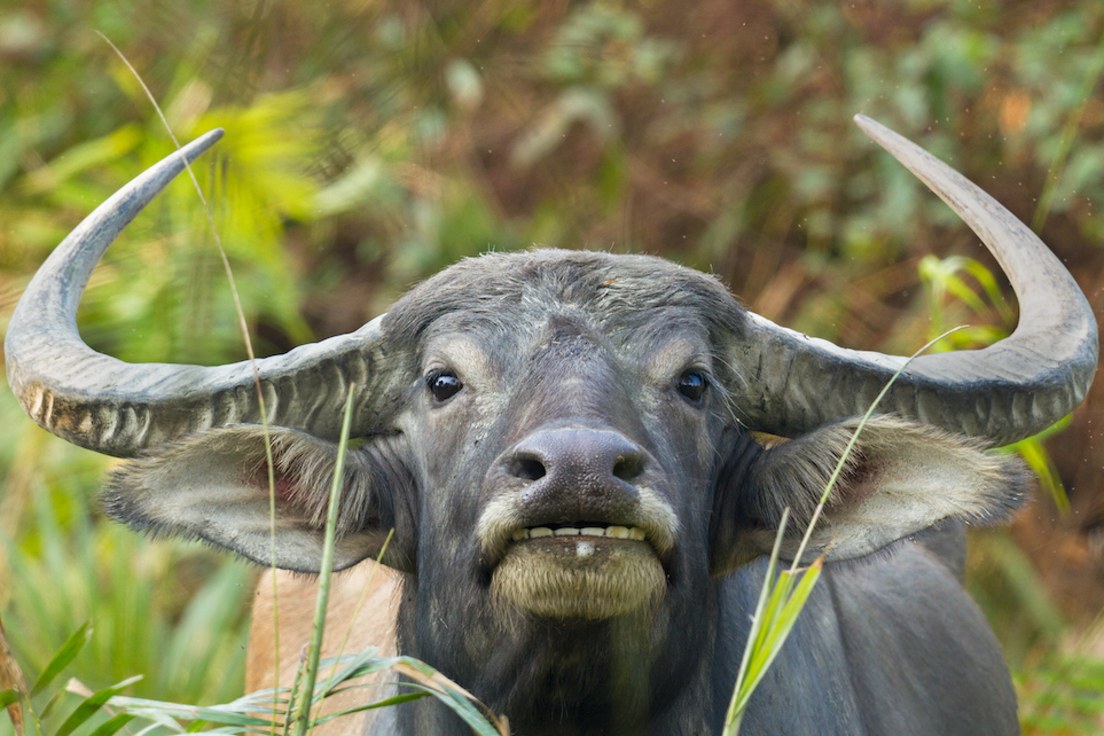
(576, 575)
(508, 523)
(589, 570)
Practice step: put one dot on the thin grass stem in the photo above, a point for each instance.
(733, 715)
(842, 462)
(239, 313)
(771, 626)
(314, 650)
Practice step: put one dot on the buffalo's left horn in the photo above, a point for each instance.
(117, 408)
(1005, 392)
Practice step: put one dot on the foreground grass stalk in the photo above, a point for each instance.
(239, 313)
(741, 692)
(314, 650)
(364, 594)
(782, 598)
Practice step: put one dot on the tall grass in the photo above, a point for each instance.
(170, 610)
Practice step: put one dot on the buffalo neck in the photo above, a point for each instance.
(616, 676)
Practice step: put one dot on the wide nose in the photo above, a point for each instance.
(576, 474)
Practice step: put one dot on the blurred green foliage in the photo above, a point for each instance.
(169, 611)
(370, 144)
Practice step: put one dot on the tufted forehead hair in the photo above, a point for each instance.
(505, 292)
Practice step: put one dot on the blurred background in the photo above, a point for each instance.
(370, 144)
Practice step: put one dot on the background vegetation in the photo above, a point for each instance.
(371, 143)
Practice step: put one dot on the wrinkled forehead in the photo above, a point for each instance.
(509, 301)
(563, 335)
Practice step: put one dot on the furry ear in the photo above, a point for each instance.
(215, 486)
(900, 478)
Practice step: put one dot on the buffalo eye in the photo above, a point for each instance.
(692, 385)
(443, 385)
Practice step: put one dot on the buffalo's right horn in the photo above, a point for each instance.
(1006, 392)
(104, 404)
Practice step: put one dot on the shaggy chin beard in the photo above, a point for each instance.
(579, 578)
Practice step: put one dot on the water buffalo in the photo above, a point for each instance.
(568, 448)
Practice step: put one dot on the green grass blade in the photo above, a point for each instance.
(462, 707)
(68, 652)
(740, 691)
(91, 706)
(794, 593)
(1039, 461)
(780, 602)
(295, 696)
(113, 725)
(231, 714)
(346, 669)
(464, 704)
(384, 703)
(776, 601)
(302, 715)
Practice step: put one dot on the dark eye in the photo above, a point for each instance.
(692, 385)
(443, 385)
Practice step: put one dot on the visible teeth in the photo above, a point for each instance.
(611, 532)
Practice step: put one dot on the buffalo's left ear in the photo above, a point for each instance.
(215, 486)
(899, 479)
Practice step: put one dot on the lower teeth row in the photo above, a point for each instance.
(613, 532)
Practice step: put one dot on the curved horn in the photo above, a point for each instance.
(1005, 392)
(118, 408)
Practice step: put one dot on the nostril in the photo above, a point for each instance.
(527, 468)
(628, 467)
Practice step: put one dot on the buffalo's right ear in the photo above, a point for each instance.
(900, 479)
(215, 486)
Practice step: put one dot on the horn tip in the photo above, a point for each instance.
(203, 142)
(871, 127)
